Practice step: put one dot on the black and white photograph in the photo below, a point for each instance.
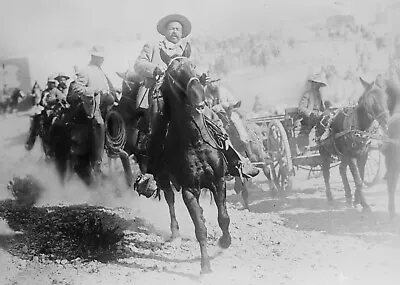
(199, 142)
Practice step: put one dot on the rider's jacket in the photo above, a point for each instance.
(50, 97)
(149, 57)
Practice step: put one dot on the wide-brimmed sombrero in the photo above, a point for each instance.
(98, 51)
(61, 75)
(186, 25)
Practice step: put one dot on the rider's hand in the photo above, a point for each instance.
(204, 79)
(218, 108)
(157, 72)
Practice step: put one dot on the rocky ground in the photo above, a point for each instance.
(294, 240)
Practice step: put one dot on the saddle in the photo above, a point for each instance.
(219, 136)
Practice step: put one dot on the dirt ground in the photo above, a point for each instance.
(294, 240)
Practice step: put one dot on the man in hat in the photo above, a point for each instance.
(225, 102)
(258, 105)
(62, 80)
(149, 65)
(97, 93)
(311, 105)
(49, 98)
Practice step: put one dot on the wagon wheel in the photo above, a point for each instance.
(372, 166)
(281, 160)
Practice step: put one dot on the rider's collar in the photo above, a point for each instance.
(166, 44)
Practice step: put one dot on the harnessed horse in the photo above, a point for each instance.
(349, 140)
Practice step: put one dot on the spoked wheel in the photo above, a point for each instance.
(281, 159)
(372, 166)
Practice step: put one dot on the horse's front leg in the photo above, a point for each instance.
(343, 173)
(169, 196)
(361, 162)
(358, 195)
(196, 213)
(326, 162)
(223, 217)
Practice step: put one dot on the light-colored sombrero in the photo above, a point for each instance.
(52, 79)
(186, 25)
(98, 51)
(319, 78)
(61, 75)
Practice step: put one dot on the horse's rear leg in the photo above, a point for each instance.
(243, 189)
(326, 173)
(223, 217)
(358, 195)
(345, 180)
(392, 178)
(196, 213)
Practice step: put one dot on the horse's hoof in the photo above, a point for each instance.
(224, 242)
(205, 271)
(175, 241)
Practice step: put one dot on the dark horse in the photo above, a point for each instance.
(392, 144)
(349, 140)
(10, 103)
(192, 158)
(255, 146)
(70, 140)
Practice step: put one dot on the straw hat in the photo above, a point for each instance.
(98, 51)
(186, 25)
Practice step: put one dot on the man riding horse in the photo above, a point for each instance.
(95, 90)
(49, 98)
(149, 66)
(224, 103)
(62, 80)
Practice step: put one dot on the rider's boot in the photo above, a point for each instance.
(98, 145)
(326, 134)
(237, 164)
(33, 131)
(249, 152)
(151, 163)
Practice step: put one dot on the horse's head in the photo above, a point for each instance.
(17, 95)
(130, 87)
(181, 83)
(374, 102)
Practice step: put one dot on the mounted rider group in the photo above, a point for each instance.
(92, 90)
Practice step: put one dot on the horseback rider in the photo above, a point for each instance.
(62, 80)
(49, 98)
(258, 105)
(225, 103)
(149, 65)
(94, 89)
(312, 106)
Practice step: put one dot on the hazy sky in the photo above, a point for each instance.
(29, 23)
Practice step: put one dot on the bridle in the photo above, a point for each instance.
(173, 82)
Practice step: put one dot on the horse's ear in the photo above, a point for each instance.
(121, 74)
(165, 57)
(187, 51)
(366, 85)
